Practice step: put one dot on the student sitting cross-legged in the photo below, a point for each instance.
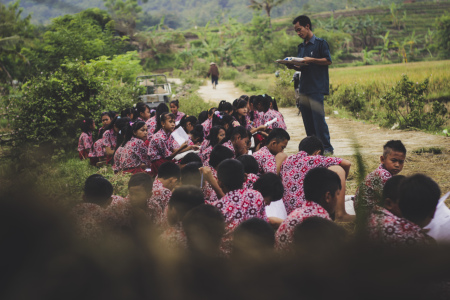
(322, 188)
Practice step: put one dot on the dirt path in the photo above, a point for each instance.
(370, 137)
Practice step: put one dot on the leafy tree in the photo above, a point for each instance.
(125, 13)
(442, 25)
(266, 5)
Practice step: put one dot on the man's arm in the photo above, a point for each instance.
(318, 61)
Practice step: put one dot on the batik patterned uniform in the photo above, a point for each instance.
(85, 142)
(179, 116)
(258, 118)
(208, 191)
(91, 220)
(272, 114)
(151, 126)
(266, 161)
(160, 195)
(251, 179)
(387, 228)
(285, 233)
(132, 155)
(207, 125)
(122, 207)
(293, 171)
(230, 146)
(117, 159)
(372, 189)
(161, 145)
(205, 151)
(97, 149)
(174, 237)
(109, 139)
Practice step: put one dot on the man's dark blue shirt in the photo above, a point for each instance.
(314, 78)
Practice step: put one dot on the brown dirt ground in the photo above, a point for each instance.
(371, 138)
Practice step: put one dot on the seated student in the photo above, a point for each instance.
(183, 199)
(262, 104)
(215, 137)
(143, 112)
(92, 215)
(191, 174)
(238, 204)
(169, 175)
(152, 122)
(85, 141)
(239, 141)
(253, 239)
(271, 156)
(133, 156)
(204, 227)
(211, 188)
(174, 106)
(161, 148)
(271, 188)
(240, 115)
(188, 123)
(208, 123)
(322, 187)
(316, 238)
(196, 136)
(250, 168)
(295, 167)
(392, 160)
(225, 107)
(188, 158)
(98, 152)
(128, 113)
(109, 140)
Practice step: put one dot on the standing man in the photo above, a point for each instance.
(214, 72)
(314, 81)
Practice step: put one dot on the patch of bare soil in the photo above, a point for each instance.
(371, 138)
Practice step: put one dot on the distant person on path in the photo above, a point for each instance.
(314, 81)
(214, 72)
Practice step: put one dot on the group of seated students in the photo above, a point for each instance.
(218, 194)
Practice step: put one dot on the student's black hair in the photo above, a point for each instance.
(225, 106)
(264, 100)
(168, 170)
(250, 163)
(211, 111)
(141, 107)
(244, 97)
(111, 125)
(185, 198)
(274, 104)
(121, 124)
(241, 131)
(126, 112)
(197, 133)
(221, 119)
(419, 196)
(130, 129)
(303, 21)
(97, 189)
(204, 227)
(241, 119)
(185, 119)
(190, 174)
(162, 118)
(176, 102)
(390, 189)
(251, 100)
(269, 185)
(141, 179)
(103, 130)
(257, 230)
(113, 114)
(311, 144)
(161, 111)
(107, 113)
(318, 182)
(190, 157)
(213, 133)
(86, 124)
(202, 117)
(231, 173)
(279, 135)
(218, 154)
(393, 145)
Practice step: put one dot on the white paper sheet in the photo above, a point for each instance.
(440, 225)
(181, 155)
(271, 122)
(276, 209)
(180, 135)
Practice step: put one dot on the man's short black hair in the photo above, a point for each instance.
(185, 198)
(303, 21)
(168, 170)
(393, 145)
(311, 144)
(231, 173)
(190, 175)
(218, 154)
(318, 182)
(256, 229)
(279, 134)
(190, 157)
(97, 189)
(239, 130)
(269, 185)
(419, 196)
(250, 163)
(390, 189)
(141, 179)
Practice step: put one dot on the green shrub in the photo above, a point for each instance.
(284, 91)
(250, 85)
(227, 73)
(193, 104)
(353, 97)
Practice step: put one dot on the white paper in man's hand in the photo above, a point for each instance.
(440, 225)
(276, 209)
(180, 135)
